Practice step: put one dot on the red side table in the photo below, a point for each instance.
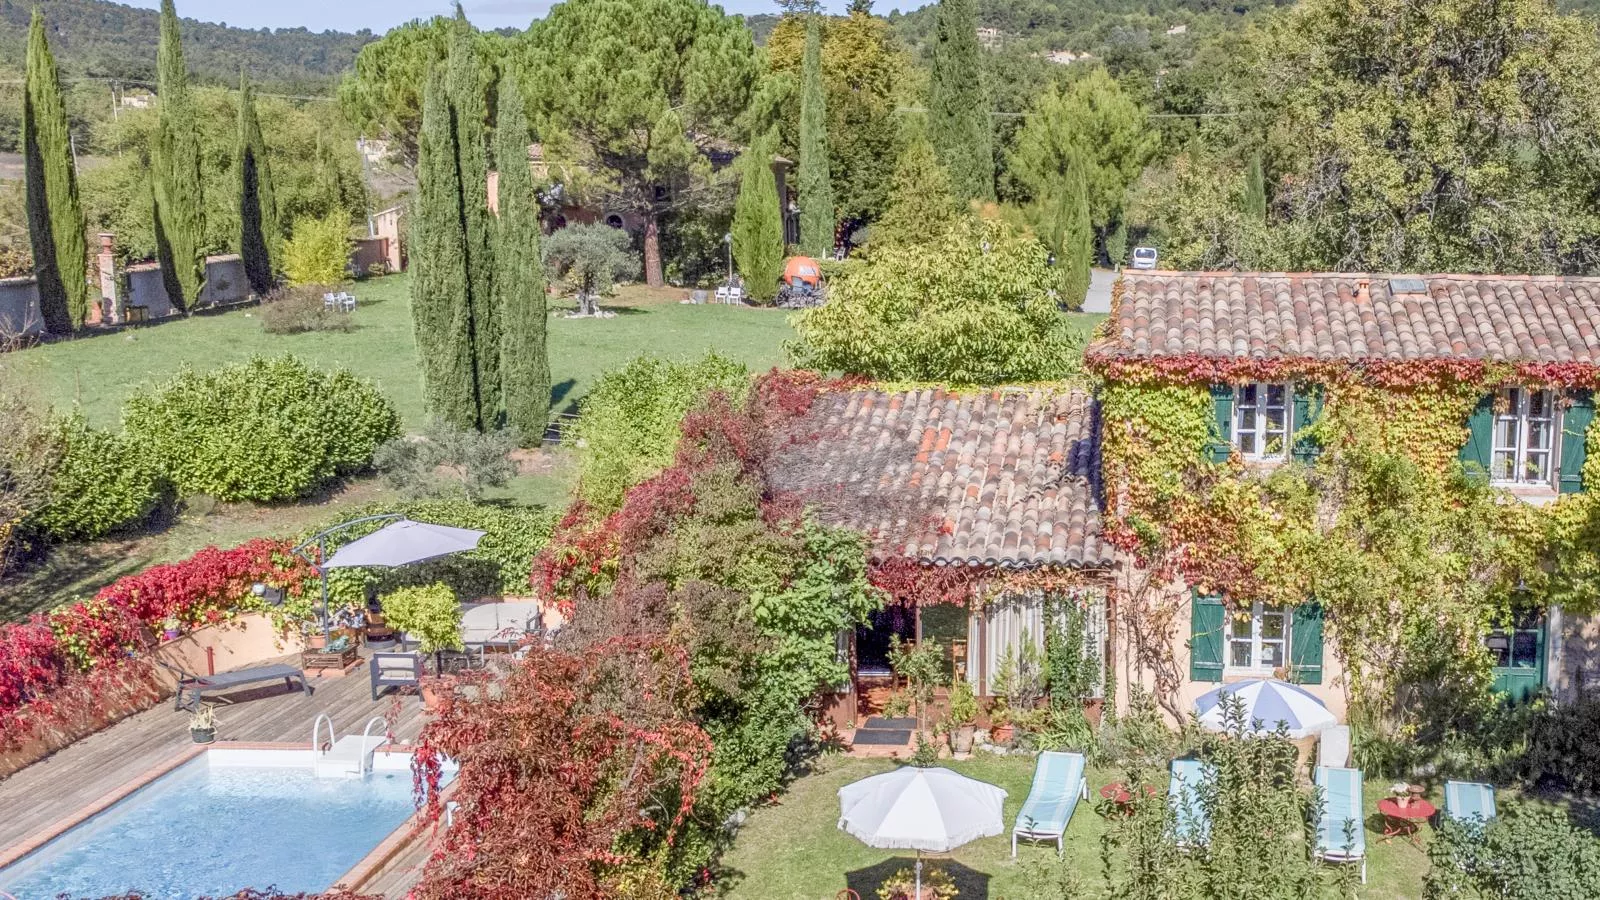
(1404, 821)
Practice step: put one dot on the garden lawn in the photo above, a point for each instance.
(100, 372)
(794, 850)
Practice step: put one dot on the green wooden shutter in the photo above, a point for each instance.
(1221, 446)
(1305, 644)
(1480, 438)
(1307, 410)
(1207, 620)
(1574, 435)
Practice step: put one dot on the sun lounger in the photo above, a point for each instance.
(1333, 747)
(1191, 825)
(195, 686)
(1058, 783)
(1341, 834)
(1468, 801)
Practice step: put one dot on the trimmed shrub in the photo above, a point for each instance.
(629, 423)
(319, 251)
(299, 309)
(100, 485)
(266, 430)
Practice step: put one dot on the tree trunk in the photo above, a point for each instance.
(652, 251)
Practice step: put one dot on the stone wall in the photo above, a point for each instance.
(19, 308)
(225, 283)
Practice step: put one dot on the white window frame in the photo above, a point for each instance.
(1514, 407)
(1256, 640)
(1253, 420)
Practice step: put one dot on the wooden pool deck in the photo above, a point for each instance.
(59, 786)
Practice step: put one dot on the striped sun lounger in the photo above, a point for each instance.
(1058, 784)
(1191, 825)
(1341, 835)
(1468, 801)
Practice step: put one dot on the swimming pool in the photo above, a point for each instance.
(225, 820)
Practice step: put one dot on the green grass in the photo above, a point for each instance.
(794, 850)
(100, 372)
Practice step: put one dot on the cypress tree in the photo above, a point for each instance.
(439, 309)
(816, 185)
(176, 172)
(466, 92)
(958, 105)
(758, 222)
(56, 224)
(260, 235)
(1255, 190)
(519, 278)
(1064, 226)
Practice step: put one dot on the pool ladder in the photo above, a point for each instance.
(348, 756)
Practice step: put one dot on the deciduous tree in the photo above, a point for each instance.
(758, 222)
(56, 227)
(260, 235)
(958, 105)
(590, 259)
(816, 185)
(175, 171)
(639, 90)
(519, 280)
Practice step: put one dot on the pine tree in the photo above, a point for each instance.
(466, 91)
(958, 105)
(758, 222)
(260, 235)
(1255, 191)
(920, 202)
(56, 226)
(176, 171)
(519, 277)
(816, 185)
(439, 305)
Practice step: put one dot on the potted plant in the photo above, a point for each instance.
(429, 614)
(203, 724)
(963, 715)
(171, 628)
(902, 885)
(1001, 728)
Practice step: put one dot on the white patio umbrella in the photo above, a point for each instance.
(1269, 702)
(403, 543)
(920, 809)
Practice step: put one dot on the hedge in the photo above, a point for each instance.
(101, 484)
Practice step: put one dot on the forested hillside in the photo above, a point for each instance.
(99, 38)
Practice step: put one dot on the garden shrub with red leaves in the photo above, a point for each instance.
(578, 763)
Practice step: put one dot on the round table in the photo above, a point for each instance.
(1404, 821)
(1118, 793)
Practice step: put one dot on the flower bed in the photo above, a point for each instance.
(53, 662)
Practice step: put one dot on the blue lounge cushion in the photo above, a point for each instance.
(1467, 801)
(1192, 825)
(1341, 832)
(1057, 782)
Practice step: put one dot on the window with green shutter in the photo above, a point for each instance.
(1575, 423)
(1305, 644)
(1307, 410)
(1480, 439)
(1208, 619)
(1221, 445)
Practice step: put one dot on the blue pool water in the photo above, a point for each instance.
(203, 829)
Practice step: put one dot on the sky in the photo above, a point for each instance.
(381, 15)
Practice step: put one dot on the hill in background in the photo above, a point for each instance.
(97, 38)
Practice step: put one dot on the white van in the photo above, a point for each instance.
(1144, 257)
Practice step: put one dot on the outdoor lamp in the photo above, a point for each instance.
(272, 596)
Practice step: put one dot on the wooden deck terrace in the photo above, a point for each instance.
(58, 787)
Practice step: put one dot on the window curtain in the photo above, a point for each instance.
(1017, 617)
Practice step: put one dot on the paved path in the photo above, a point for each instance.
(1098, 300)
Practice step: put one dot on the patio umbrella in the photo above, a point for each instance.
(1269, 702)
(920, 809)
(403, 543)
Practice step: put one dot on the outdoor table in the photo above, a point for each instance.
(1118, 793)
(1404, 821)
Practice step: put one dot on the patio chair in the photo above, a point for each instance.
(1469, 801)
(722, 294)
(735, 295)
(1333, 747)
(394, 670)
(195, 686)
(1058, 784)
(1192, 827)
(1341, 834)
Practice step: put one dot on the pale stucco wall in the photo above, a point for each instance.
(246, 641)
(1577, 663)
(225, 283)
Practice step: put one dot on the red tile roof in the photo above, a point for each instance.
(1490, 318)
(1000, 478)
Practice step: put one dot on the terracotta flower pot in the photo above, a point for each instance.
(316, 641)
(430, 697)
(1002, 734)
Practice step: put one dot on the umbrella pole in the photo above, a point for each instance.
(918, 894)
(322, 557)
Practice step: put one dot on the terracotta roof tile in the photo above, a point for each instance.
(1497, 318)
(1011, 479)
